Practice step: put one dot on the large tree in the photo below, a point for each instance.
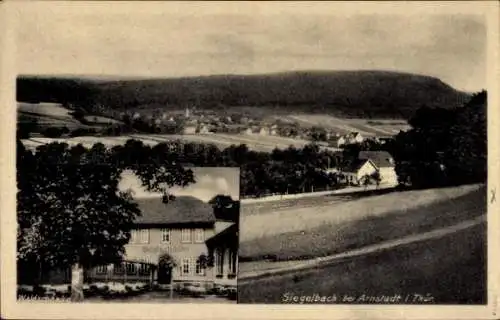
(444, 147)
(70, 210)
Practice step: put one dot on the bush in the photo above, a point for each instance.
(83, 132)
(54, 132)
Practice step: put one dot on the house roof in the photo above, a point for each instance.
(222, 225)
(355, 165)
(227, 238)
(382, 159)
(181, 210)
(352, 135)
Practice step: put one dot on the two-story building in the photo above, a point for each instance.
(369, 162)
(385, 164)
(169, 244)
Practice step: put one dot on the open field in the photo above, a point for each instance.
(254, 142)
(257, 143)
(448, 270)
(48, 121)
(55, 115)
(367, 127)
(45, 109)
(100, 120)
(256, 226)
(255, 206)
(335, 237)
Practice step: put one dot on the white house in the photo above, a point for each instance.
(354, 137)
(338, 141)
(264, 131)
(189, 130)
(203, 129)
(385, 164)
(367, 163)
(248, 131)
(358, 169)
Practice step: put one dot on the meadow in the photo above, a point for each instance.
(449, 270)
(328, 228)
(367, 127)
(254, 142)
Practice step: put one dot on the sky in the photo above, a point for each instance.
(203, 39)
(210, 181)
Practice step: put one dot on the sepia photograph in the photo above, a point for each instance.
(245, 155)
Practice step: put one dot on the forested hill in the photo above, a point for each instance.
(343, 93)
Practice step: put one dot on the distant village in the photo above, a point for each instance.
(192, 123)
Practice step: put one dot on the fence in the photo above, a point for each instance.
(313, 194)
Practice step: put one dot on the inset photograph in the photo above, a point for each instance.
(96, 227)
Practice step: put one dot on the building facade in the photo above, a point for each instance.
(358, 170)
(385, 164)
(223, 247)
(169, 245)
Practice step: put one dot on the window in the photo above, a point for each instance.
(219, 260)
(165, 235)
(200, 270)
(199, 236)
(144, 268)
(230, 263)
(118, 269)
(186, 236)
(139, 236)
(134, 236)
(145, 236)
(185, 266)
(131, 269)
(234, 260)
(102, 269)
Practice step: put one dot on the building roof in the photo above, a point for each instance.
(382, 159)
(355, 165)
(222, 225)
(181, 210)
(352, 135)
(225, 238)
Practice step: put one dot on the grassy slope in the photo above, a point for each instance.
(304, 219)
(344, 125)
(258, 208)
(451, 269)
(341, 235)
(58, 116)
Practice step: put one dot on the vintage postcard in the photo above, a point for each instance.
(249, 159)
